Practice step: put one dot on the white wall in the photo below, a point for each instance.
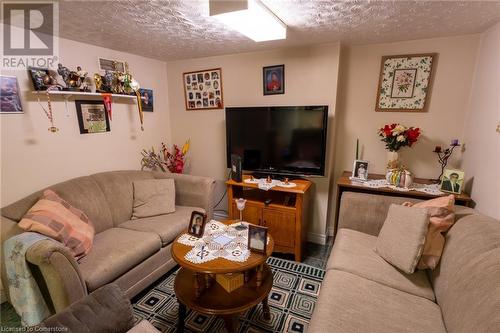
(311, 79)
(33, 157)
(356, 116)
(482, 142)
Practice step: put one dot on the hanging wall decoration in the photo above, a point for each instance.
(10, 95)
(203, 89)
(146, 99)
(274, 80)
(405, 83)
(92, 117)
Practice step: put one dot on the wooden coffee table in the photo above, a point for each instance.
(195, 286)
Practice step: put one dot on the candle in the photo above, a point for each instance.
(454, 142)
(437, 149)
(357, 148)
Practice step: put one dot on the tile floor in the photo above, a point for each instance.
(314, 254)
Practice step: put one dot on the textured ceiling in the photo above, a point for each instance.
(170, 30)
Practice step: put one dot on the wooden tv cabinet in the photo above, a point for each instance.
(285, 217)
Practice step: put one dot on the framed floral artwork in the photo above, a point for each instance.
(405, 83)
(203, 89)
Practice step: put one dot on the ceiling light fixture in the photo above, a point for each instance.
(250, 17)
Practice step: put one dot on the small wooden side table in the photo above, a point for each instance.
(345, 184)
(195, 286)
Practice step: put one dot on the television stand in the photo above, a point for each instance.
(285, 215)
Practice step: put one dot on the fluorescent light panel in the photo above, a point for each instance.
(256, 22)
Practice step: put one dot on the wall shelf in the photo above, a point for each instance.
(69, 94)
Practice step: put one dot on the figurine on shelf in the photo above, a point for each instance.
(108, 81)
(82, 78)
(444, 155)
(98, 81)
(64, 72)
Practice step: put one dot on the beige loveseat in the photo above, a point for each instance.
(130, 253)
(363, 293)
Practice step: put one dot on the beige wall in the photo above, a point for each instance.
(32, 157)
(356, 116)
(311, 78)
(482, 142)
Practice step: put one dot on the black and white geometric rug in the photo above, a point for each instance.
(295, 290)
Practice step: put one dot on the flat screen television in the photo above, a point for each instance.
(282, 140)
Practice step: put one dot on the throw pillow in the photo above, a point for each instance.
(153, 197)
(442, 217)
(402, 237)
(54, 217)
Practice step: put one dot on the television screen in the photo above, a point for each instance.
(278, 139)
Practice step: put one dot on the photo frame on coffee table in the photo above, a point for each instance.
(203, 89)
(197, 224)
(405, 82)
(257, 238)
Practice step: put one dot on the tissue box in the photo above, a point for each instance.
(230, 281)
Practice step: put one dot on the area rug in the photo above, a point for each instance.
(295, 290)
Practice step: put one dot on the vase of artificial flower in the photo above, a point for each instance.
(395, 137)
(173, 161)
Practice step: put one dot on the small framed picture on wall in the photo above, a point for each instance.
(10, 95)
(203, 89)
(92, 116)
(274, 79)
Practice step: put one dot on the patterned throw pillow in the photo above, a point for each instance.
(55, 218)
(442, 217)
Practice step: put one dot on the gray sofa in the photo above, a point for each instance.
(363, 293)
(130, 253)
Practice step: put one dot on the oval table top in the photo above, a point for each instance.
(219, 265)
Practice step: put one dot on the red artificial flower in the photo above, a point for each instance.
(412, 134)
(388, 130)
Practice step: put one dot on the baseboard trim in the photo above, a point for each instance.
(317, 238)
(330, 231)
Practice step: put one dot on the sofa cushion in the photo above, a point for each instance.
(349, 303)
(119, 192)
(82, 192)
(166, 226)
(353, 253)
(55, 218)
(467, 280)
(442, 217)
(153, 197)
(402, 237)
(116, 251)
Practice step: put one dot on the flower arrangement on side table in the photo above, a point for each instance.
(165, 160)
(395, 137)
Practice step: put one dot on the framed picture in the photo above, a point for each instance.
(359, 170)
(197, 224)
(257, 238)
(274, 79)
(10, 95)
(92, 117)
(452, 181)
(37, 75)
(146, 99)
(203, 89)
(405, 83)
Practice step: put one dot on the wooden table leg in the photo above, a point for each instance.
(246, 276)
(231, 323)
(208, 281)
(182, 317)
(265, 309)
(258, 280)
(197, 290)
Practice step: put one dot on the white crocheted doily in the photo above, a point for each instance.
(218, 241)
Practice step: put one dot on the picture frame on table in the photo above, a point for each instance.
(405, 82)
(37, 75)
(203, 89)
(359, 170)
(273, 80)
(92, 116)
(452, 181)
(197, 224)
(257, 238)
(10, 95)
(147, 101)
